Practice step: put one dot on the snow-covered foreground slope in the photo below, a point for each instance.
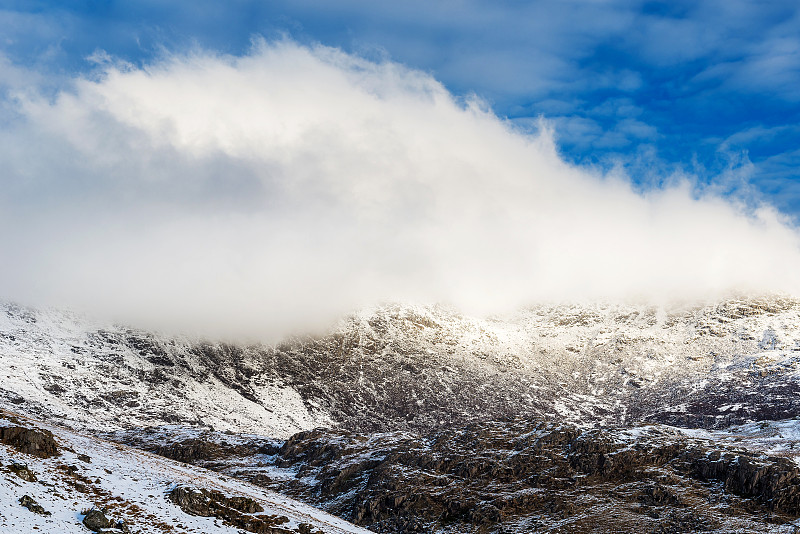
(131, 485)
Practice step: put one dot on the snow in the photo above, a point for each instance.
(589, 362)
(772, 438)
(67, 366)
(133, 484)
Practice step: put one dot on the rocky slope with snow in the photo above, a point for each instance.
(399, 388)
(522, 476)
(58, 481)
(399, 367)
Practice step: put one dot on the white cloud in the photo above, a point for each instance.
(295, 183)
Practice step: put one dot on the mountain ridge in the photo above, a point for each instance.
(398, 367)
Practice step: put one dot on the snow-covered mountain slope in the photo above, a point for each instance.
(429, 413)
(58, 365)
(70, 474)
(404, 367)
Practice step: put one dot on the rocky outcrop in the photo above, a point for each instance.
(207, 502)
(236, 511)
(29, 441)
(773, 481)
(522, 476)
(193, 450)
(22, 471)
(96, 520)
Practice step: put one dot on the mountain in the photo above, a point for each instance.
(386, 387)
(402, 367)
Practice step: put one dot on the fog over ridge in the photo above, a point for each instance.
(295, 183)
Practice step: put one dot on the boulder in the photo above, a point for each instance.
(30, 441)
(22, 471)
(28, 502)
(96, 520)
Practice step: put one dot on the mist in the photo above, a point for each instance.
(274, 191)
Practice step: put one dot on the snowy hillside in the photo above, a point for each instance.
(59, 485)
(57, 365)
(402, 367)
(419, 419)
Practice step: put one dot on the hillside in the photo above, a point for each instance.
(573, 418)
(53, 478)
(400, 367)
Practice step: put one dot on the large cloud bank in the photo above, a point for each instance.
(294, 183)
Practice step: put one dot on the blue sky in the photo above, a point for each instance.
(709, 88)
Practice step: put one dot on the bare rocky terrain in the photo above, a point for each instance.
(521, 476)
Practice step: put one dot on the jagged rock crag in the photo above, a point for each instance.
(502, 477)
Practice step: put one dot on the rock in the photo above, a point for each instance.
(30, 441)
(236, 511)
(194, 449)
(32, 505)
(22, 471)
(305, 528)
(659, 495)
(55, 389)
(486, 476)
(96, 520)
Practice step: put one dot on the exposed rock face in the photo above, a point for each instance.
(773, 482)
(29, 441)
(523, 476)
